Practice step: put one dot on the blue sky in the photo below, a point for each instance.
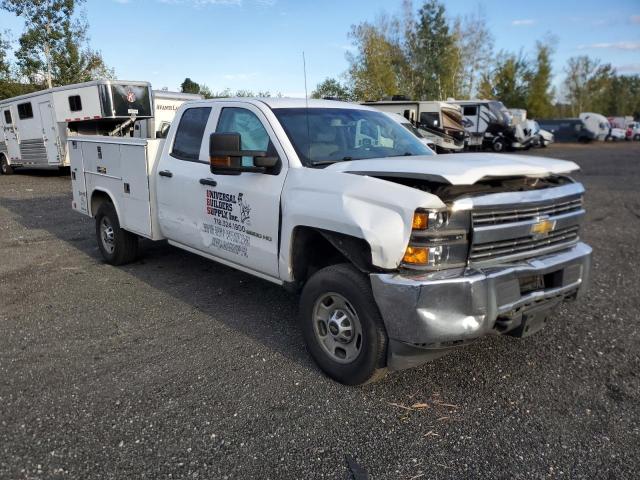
(258, 44)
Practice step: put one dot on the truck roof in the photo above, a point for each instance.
(293, 103)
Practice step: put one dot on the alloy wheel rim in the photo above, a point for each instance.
(337, 328)
(107, 235)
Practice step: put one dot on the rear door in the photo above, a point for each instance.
(49, 132)
(7, 120)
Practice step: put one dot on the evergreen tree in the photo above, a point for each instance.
(540, 91)
(189, 86)
(434, 54)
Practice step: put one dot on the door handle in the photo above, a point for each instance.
(208, 181)
(165, 173)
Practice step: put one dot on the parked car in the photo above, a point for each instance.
(568, 130)
(541, 138)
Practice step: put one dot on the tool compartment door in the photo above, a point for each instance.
(78, 183)
(136, 212)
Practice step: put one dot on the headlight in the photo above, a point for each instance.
(438, 240)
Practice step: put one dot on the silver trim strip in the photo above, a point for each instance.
(514, 199)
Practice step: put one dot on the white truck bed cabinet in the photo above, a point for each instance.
(119, 167)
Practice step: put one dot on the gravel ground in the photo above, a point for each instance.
(178, 367)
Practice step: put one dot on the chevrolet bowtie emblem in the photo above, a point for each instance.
(542, 227)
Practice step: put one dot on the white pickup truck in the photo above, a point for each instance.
(399, 255)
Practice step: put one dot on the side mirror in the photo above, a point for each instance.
(225, 156)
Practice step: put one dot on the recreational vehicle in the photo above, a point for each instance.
(34, 127)
(598, 124)
(488, 124)
(439, 122)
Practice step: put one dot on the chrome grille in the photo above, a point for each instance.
(503, 225)
(497, 217)
(529, 246)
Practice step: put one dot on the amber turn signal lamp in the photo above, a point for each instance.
(222, 162)
(420, 221)
(416, 256)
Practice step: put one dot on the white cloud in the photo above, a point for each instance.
(523, 22)
(630, 68)
(205, 3)
(239, 76)
(612, 45)
(201, 3)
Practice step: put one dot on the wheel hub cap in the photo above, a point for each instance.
(108, 235)
(337, 328)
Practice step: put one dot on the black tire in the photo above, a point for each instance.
(5, 168)
(346, 281)
(499, 146)
(123, 248)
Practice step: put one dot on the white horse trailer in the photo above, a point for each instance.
(34, 127)
(165, 105)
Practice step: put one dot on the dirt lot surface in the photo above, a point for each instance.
(178, 367)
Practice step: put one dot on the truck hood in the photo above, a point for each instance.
(458, 168)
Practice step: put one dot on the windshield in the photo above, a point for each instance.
(328, 135)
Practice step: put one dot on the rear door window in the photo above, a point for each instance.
(189, 135)
(7, 117)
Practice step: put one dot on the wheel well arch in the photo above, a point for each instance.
(315, 248)
(98, 197)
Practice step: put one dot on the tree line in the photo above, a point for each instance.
(429, 56)
(52, 50)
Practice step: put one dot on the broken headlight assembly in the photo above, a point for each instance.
(439, 240)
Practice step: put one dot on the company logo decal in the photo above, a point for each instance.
(542, 227)
(131, 97)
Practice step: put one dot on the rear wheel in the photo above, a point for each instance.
(499, 145)
(342, 326)
(116, 245)
(5, 168)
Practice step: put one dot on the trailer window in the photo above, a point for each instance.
(25, 111)
(75, 103)
(7, 117)
(188, 141)
(470, 111)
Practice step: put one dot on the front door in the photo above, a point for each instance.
(49, 133)
(232, 217)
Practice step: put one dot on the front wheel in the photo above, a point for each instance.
(342, 327)
(5, 168)
(116, 245)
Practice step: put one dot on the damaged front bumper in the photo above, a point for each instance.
(428, 315)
